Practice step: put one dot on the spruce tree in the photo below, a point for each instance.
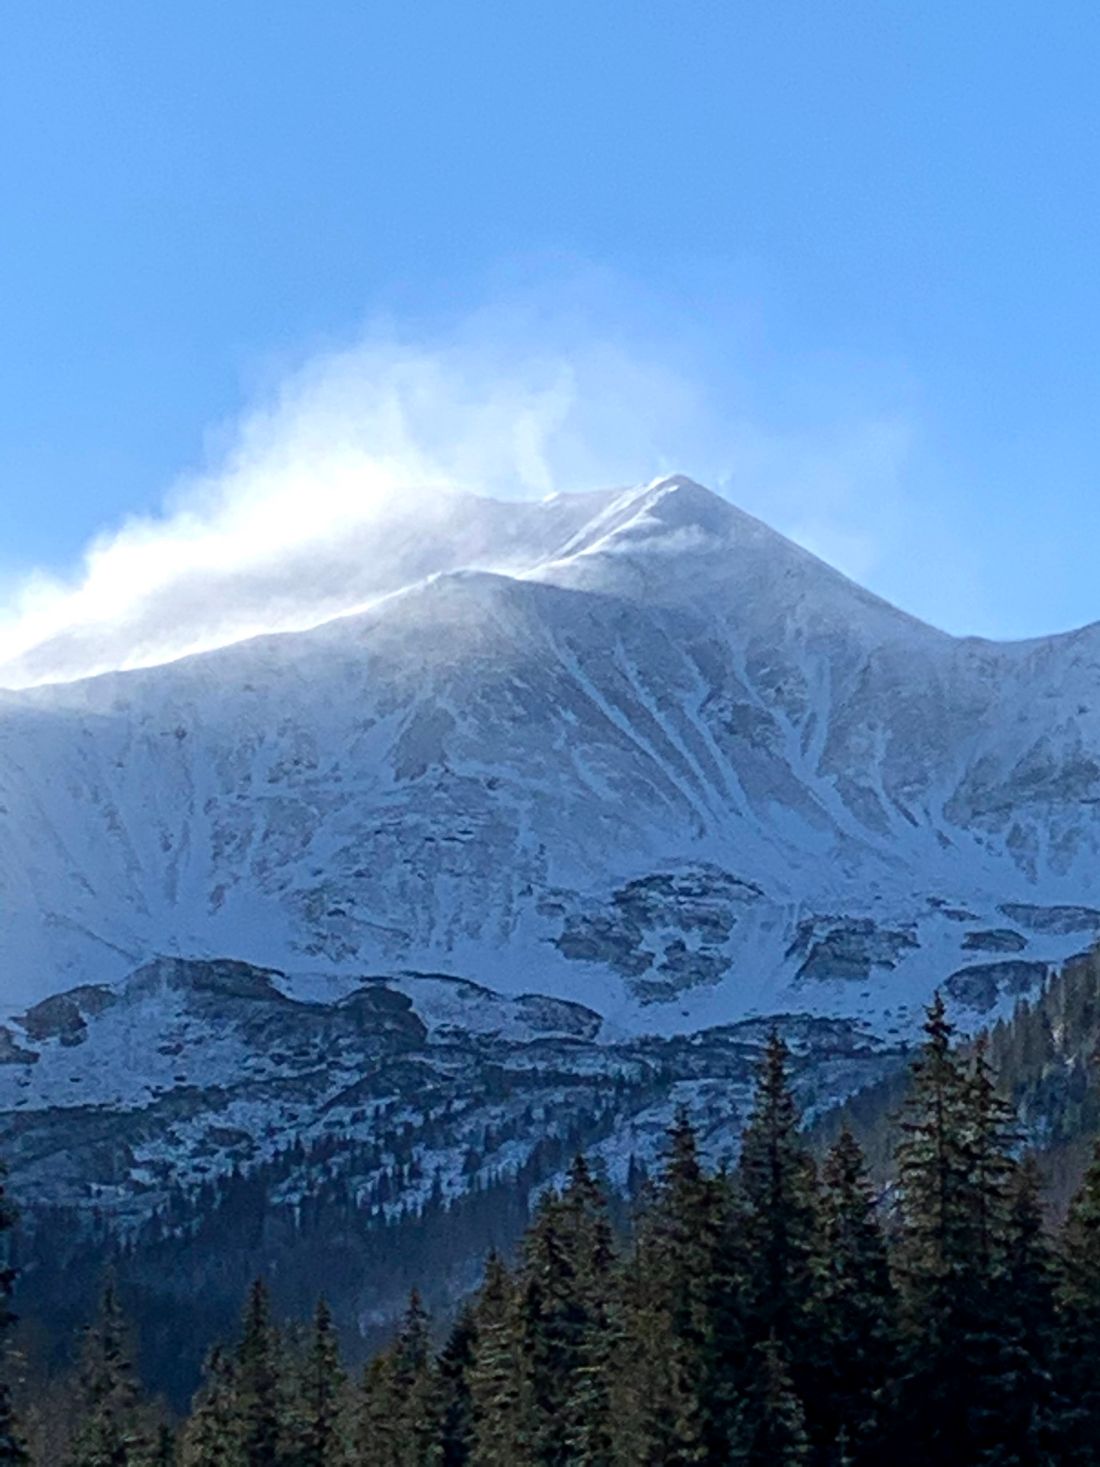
(1032, 1411)
(778, 1186)
(771, 1429)
(562, 1303)
(317, 1410)
(994, 1359)
(377, 1423)
(855, 1309)
(590, 1246)
(456, 1407)
(12, 1447)
(212, 1436)
(665, 1400)
(257, 1374)
(1079, 1311)
(499, 1414)
(109, 1431)
(415, 1389)
(953, 1164)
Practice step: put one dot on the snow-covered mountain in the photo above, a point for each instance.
(667, 766)
(676, 769)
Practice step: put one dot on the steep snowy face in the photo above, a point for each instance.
(671, 767)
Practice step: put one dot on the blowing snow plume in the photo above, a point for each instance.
(346, 486)
(353, 480)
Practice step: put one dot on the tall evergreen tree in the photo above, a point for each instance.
(316, 1434)
(563, 1302)
(377, 1430)
(665, 1403)
(257, 1374)
(781, 1226)
(771, 1430)
(1079, 1309)
(109, 1432)
(855, 1309)
(212, 1437)
(456, 1407)
(500, 1417)
(13, 1451)
(953, 1163)
(1032, 1412)
(415, 1388)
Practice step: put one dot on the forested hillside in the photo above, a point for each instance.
(778, 1313)
(1045, 1059)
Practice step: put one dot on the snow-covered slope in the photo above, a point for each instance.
(671, 767)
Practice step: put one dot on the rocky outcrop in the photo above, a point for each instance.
(995, 940)
(980, 986)
(847, 949)
(663, 933)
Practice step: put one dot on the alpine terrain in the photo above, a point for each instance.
(536, 837)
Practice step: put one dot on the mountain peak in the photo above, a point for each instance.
(678, 501)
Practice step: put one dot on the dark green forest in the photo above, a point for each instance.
(785, 1311)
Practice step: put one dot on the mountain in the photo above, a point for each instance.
(677, 770)
(631, 763)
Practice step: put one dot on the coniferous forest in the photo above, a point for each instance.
(781, 1312)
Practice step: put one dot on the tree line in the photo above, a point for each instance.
(773, 1314)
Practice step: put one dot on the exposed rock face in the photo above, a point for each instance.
(1056, 919)
(981, 985)
(847, 949)
(663, 933)
(995, 940)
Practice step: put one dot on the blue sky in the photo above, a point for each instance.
(850, 249)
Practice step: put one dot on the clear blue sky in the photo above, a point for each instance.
(833, 210)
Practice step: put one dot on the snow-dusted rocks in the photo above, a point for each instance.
(112, 1096)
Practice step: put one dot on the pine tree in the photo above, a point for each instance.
(498, 1401)
(781, 1226)
(771, 1429)
(562, 1303)
(1079, 1310)
(953, 1163)
(456, 1407)
(665, 1401)
(257, 1374)
(855, 1305)
(13, 1450)
(212, 1437)
(109, 1432)
(1025, 1302)
(317, 1410)
(377, 1425)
